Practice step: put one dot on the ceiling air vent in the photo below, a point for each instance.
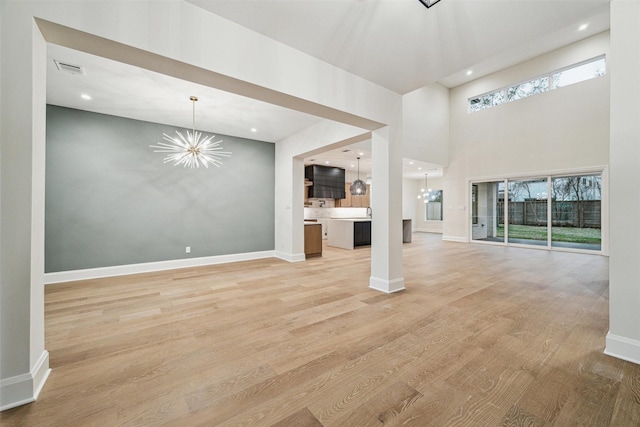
(69, 68)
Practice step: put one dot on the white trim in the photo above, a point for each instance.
(539, 174)
(386, 286)
(487, 242)
(623, 348)
(578, 251)
(121, 270)
(455, 239)
(40, 373)
(290, 257)
(25, 388)
(426, 230)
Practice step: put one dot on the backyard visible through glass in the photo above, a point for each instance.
(528, 209)
(573, 219)
(576, 207)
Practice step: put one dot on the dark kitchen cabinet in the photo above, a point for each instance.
(328, 182)
(362, 233)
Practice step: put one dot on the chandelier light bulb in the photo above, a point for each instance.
(192, 150)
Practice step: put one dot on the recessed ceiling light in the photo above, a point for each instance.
(254, 130)
(85, 96)
(362, 154)
(410, 163)
(419, 169)
(327, 162)
(583, 27)
(353, 166)
(469, 72)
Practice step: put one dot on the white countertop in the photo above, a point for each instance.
(340, 234)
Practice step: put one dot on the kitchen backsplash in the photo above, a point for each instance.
(321, 203)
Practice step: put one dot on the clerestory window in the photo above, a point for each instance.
(575, 73)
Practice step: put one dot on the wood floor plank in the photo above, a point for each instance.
(483, 335)
(302, 418)
(518, 417)
(627, 407)
(384, 407)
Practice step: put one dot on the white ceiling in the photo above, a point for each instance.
(398, 44)
(126, 91)
(403, 46)
(347, 158)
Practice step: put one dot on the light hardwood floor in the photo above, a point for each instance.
(483, 336)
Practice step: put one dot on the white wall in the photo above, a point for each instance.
(420, 224)
(409, 196)
(426, 124)
(24, 362)
(560, 130)
(623, 340)
(426, 133)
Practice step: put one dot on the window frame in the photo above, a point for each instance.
(550, 86)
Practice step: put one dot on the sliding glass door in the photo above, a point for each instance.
(528, 212)
(576, 212)
(552, 212)
(487, 206)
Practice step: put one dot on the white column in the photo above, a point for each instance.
(386, 204)
(623, 339)
(24, 363)
(289, 205)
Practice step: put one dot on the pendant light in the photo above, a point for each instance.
(358, 188)
(425, 193)
(192, 150)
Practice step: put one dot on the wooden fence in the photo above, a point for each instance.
(582, 214)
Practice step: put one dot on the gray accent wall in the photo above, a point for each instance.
(110, 200)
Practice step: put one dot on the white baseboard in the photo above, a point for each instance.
(290, 257)
(25, 388)
(386, 286)
(426, 230)
(147, 267)
(623, 348)
(455, 239)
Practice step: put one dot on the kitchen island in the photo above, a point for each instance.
(348, 233)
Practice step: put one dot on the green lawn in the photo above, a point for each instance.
(558, 234)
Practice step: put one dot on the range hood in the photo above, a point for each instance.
(327, 182)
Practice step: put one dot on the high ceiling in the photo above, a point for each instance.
(398, 44)
(403, 46)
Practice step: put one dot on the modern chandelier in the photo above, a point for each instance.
(428, 3)
(358, 188)
(426, 192)
(192, 150)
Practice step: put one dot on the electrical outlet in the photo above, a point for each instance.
(187, 249)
